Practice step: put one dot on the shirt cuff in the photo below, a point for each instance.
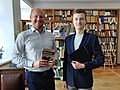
(30, 63)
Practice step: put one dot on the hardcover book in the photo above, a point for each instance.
(48, 54)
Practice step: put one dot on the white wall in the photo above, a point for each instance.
(29, 2)
(77, 4)
(9, 21)
(25, 13)
(25, 10)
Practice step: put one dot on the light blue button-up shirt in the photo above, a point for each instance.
(28, 48)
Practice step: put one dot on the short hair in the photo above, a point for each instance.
(36, 9)
(79, 11)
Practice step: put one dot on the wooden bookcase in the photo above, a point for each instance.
(103, 22)
(108, 33)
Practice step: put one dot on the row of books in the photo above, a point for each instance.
(60, 63)
(107, 12)
(91, 18)
(107, 19)
(58, 72)
(61, 12)
(63, 17)
(91, 12)
(62, 29)
(48, 12)
(102, 12)
(106, 43)
(107, 40)
(108, 47)
(107, 26)
(91, 26)
(67, 27)
(110, 53)
(58, 69)
(101, 26)
(107, 33)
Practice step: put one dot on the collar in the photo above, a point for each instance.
(34, 30)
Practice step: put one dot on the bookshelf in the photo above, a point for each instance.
(103, 22)
(108, 33)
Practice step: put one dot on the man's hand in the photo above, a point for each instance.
(77, 65)
(40, 63)
(52, 63)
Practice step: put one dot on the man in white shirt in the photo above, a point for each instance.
(28, 53)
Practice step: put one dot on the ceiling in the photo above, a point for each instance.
(73, 0)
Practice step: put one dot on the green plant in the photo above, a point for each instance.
(1, 49)
(1, 52)
(17, 32)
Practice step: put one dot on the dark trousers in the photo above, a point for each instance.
(40, 80)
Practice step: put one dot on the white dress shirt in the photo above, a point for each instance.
(28, 48)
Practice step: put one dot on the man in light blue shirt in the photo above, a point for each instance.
(28, 53)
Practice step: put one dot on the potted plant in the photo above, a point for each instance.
(1, 52)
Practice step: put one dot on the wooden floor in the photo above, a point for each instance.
(104, 79)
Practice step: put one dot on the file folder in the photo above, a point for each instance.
(80, 55)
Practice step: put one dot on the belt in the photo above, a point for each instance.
(44, 72)
(41, 73)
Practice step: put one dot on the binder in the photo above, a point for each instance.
(80, 55)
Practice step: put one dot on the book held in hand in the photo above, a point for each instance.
(80, 55)
(48, 54)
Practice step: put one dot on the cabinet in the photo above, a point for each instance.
(103, 22)
(12, 79)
